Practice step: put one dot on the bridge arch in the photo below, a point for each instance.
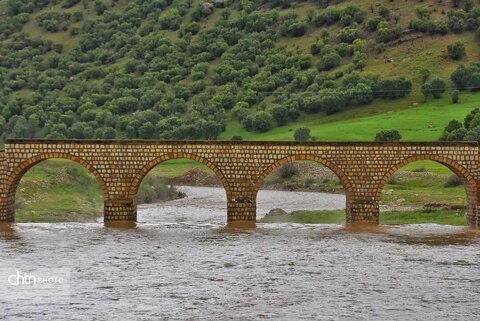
(137, 180)
(19, 171)
(465, 176)
(347, 185)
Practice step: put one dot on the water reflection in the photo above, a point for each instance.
(8, 232)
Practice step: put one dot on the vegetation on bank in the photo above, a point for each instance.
(177, 69)
(58, 191)
(62, 191)
(439, 216)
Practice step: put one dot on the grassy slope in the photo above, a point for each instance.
(58, 190)
(423, 122)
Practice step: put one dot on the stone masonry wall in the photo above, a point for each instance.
(120, 166)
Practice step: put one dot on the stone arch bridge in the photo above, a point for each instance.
(119, 167)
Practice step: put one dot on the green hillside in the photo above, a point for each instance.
(198, 69)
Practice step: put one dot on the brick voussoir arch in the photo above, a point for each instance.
(18, 172)
(169, 156)
(347, 185)
(454, 166)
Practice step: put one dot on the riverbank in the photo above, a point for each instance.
(62, 191)
(438, 216)
(58, 191)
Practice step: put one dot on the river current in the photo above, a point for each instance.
(181, 263)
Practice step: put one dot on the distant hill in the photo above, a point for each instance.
(189, 69)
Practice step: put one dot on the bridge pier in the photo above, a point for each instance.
(120, 210)
(363, 211)
(7, 207)
(241, 212)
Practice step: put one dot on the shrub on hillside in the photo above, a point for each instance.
(329, 60)
(348, 34)
(467, 77)
(387, 32)
(302, 134)
(54, 21)
(388, 136)
(456, 50)
(434, 88)
(391, 88)
(455, 97)
(262, 121)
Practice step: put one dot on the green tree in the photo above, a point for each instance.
(359, 60)
(461, 77)
(280, 114)
(302, 134)
(384, 12)
(456, 50)
(100, 7)
(329, 60)
(147, 131)
(388, 136)
(473, 134)
(455, 97)
(469, 118)
(457, 135)
(262, 121)
(434, 88)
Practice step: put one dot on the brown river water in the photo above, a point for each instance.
(181, 263)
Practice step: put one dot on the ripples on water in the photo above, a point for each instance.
(185, 270)
(181, 271)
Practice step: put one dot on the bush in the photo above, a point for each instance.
(390, 88)
(348, 34)
(452, 181)
(54, 21)
(100, 7)
(388, 136)
(392, 180)
(262, 121)
(456, 50)
(387, 32)
(288, 170)
(297, 29)
(302, 134)
(329, 60)
(457, 135)
(462, 76)
(154, 189)
(455, 97)
(236, 138)
(280, 114)
(434, 88)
